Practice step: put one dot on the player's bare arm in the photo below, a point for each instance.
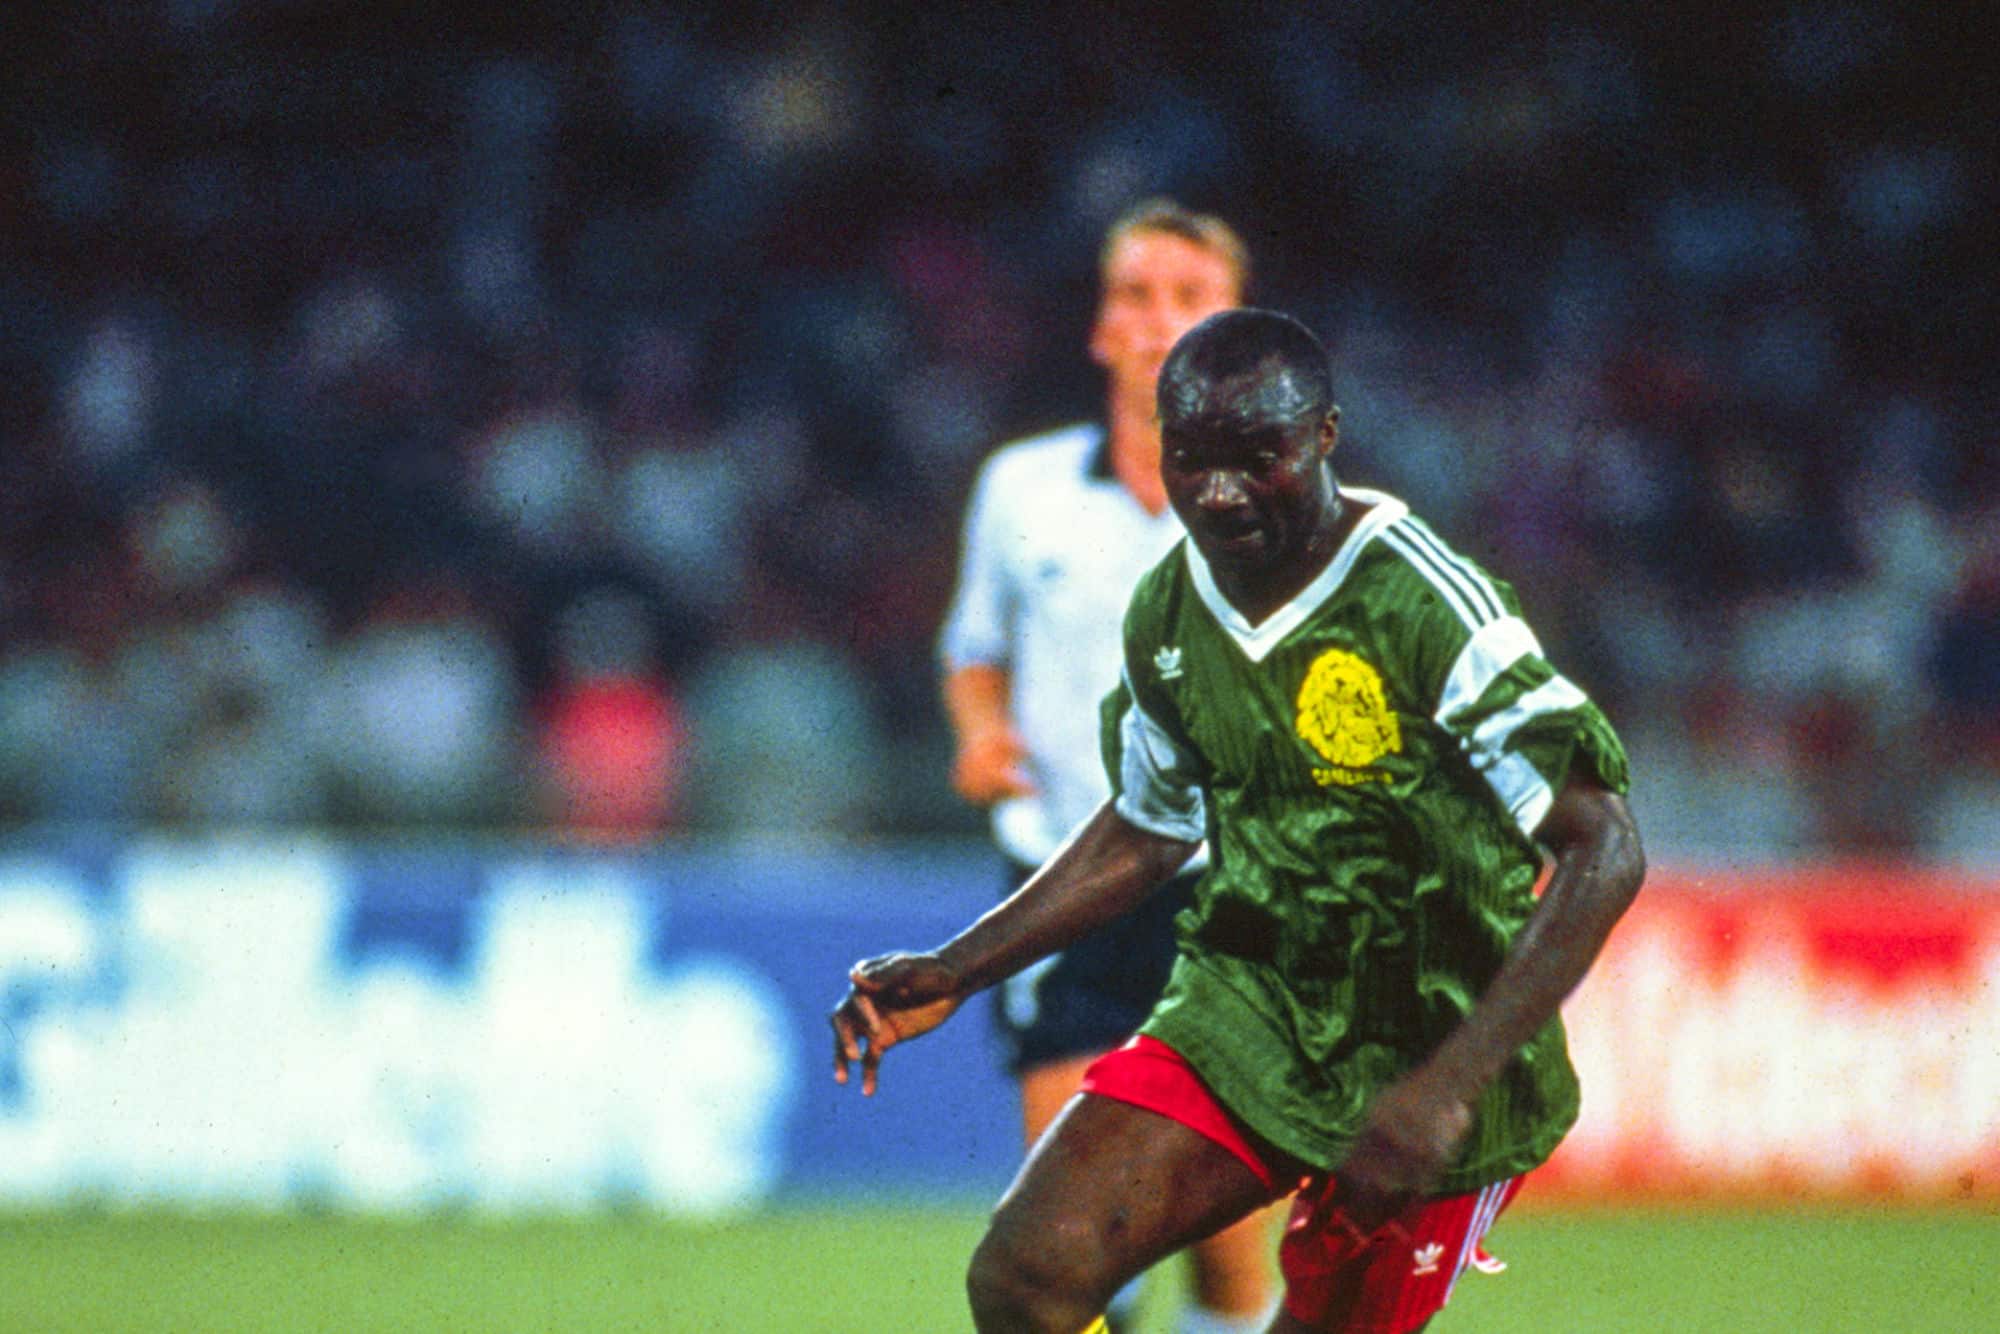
(991, 760)
(1416, 1125)
(1108, 866)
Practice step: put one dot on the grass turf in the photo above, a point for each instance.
(874, 1268)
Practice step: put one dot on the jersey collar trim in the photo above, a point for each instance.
(1257, 641)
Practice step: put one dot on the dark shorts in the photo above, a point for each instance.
(1092, 996)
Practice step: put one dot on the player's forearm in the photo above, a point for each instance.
(1107, 868)
(977, 699)
(1596, 874)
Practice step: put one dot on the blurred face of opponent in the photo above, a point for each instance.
(1244, 461)
(1157, 286)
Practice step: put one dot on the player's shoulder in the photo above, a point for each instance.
(1416, 566)
(1168, 574)
(1045, 458)
(1159, 592)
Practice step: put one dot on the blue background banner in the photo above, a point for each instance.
(502, 1027)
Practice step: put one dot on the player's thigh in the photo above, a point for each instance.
(1047, 1088)
(1115, 1181)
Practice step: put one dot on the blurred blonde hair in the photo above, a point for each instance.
(1161, 214)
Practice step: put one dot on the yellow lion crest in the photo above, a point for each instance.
(1344, 714)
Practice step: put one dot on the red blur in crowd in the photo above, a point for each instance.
(614, 752)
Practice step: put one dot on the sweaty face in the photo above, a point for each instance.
(1244, 475)
(1157, 286)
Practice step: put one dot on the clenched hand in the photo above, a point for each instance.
(1410, 1139)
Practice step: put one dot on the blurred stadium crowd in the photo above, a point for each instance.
(565, 421)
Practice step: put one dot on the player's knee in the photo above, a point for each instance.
(1020, 1281)
(1010, 1290)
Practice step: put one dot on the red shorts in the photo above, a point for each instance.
(1388, 1282)
(1147, 1073)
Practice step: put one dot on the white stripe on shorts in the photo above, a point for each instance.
(1483, 1213)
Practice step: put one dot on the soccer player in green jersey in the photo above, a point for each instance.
(1364, 1006)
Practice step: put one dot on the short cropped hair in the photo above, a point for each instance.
(1202, 229)
(1244, 342)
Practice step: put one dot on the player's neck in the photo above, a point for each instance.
(1134, 446)
(1257, 594)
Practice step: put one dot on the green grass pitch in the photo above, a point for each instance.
(879, 1269)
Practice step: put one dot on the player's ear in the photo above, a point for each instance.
(1329, 432)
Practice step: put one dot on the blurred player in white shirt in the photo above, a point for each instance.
(1060, 527)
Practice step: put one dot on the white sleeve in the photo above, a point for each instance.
(978, 627)
(1158, 788)
(1497, 688)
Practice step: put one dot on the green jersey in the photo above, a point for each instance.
(1367, 765)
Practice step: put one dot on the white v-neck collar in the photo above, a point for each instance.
(1257, 641)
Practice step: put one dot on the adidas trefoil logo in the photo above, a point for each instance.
(1427, 1258)
(1168, 660)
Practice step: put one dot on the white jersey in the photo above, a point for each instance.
(1053, 545)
